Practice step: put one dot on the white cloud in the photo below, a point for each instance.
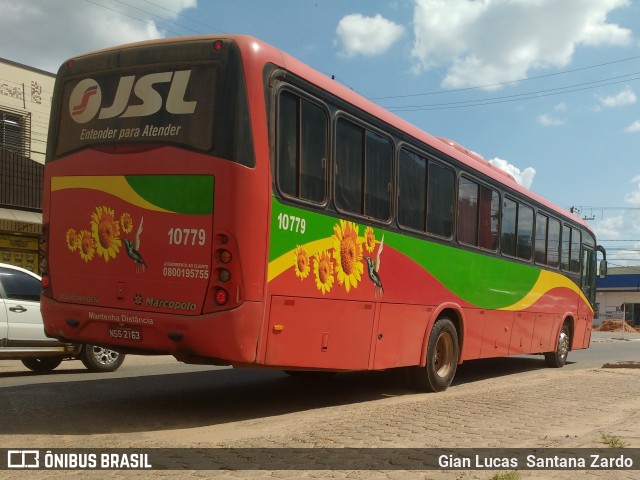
(485, 42)
(633, 198)
(547, 120)
(561, 107)
(634, 127)
(610, 228)
(523, 177)
(369, 36)
(87, 27)
(625, 97)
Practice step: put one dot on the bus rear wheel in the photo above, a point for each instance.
(558, 358)
(442, 358)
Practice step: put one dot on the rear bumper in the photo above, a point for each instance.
(231, 336)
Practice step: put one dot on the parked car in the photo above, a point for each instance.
(22, 334)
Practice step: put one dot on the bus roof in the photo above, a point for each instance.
(263, 53)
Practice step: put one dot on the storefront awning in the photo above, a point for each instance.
(20, 216)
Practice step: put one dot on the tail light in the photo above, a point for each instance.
(221, 296)
(44, 260)
(226, 279)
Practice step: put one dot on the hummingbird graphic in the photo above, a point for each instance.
(133, 250)
(373, 268)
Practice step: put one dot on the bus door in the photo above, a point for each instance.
(583, 324)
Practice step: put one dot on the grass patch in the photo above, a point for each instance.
(612, 441)
(506, 476)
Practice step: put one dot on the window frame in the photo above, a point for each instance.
(430, 160)
(302, 95)
(493, 190)
(366, 128)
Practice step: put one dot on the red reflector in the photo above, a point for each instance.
(45, 282)
(221, 296)
(217, 45)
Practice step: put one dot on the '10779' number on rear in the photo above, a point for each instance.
(187, 236)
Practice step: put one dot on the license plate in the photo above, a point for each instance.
(125, 333)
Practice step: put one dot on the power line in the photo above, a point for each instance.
(517, 97)
(158, 16)
(129, 16)
(440, 92)
(184, 16)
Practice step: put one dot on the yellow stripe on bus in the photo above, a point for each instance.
(546, 282)
(114, 185)
(287, 260)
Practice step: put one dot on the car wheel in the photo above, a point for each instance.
(42, 364)
(100, 359)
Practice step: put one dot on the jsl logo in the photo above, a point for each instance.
(86, 97)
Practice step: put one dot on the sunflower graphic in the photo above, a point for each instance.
(72, 239)
(347, 251)
(126, 223)
(87, 245)
(369, 239)
(105, 231)
(323, 269)
(301, 264)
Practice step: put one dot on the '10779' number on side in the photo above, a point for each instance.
(291, 223)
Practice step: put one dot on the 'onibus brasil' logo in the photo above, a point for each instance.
(86, 98)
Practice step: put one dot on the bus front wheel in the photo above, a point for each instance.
(558, 358)
(442, 358)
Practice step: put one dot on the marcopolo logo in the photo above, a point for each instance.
(85, 101)
(170, 304)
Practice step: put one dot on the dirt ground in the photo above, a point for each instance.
(524, 411)
(615, 326)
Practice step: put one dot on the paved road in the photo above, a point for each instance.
(156, 402)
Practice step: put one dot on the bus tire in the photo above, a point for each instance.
(100, 359)
(42, 364)
(558, 358)
(442, 358)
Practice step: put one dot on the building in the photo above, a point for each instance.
(25, 105)
(618, 294)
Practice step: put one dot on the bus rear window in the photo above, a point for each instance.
(197, 101)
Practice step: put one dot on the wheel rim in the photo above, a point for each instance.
(443, 357)
(563, 344)
(104, 356)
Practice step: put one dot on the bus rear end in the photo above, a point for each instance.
(150, 166)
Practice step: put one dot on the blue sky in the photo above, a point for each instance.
(546, 89)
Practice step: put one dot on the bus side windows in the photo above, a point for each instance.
(363, 171)
(541, 239)
(412, 198)
(517, 230)
(302, 148)
(425, 195)
(574, 256)
(478, 214)
(441, 199)
(553, 243)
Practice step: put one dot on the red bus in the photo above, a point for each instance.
(215, 199)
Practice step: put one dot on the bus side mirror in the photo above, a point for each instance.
(603, 268)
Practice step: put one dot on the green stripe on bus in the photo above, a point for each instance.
(484, 281)
(188, 194)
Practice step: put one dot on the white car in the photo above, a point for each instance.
(22, 334)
